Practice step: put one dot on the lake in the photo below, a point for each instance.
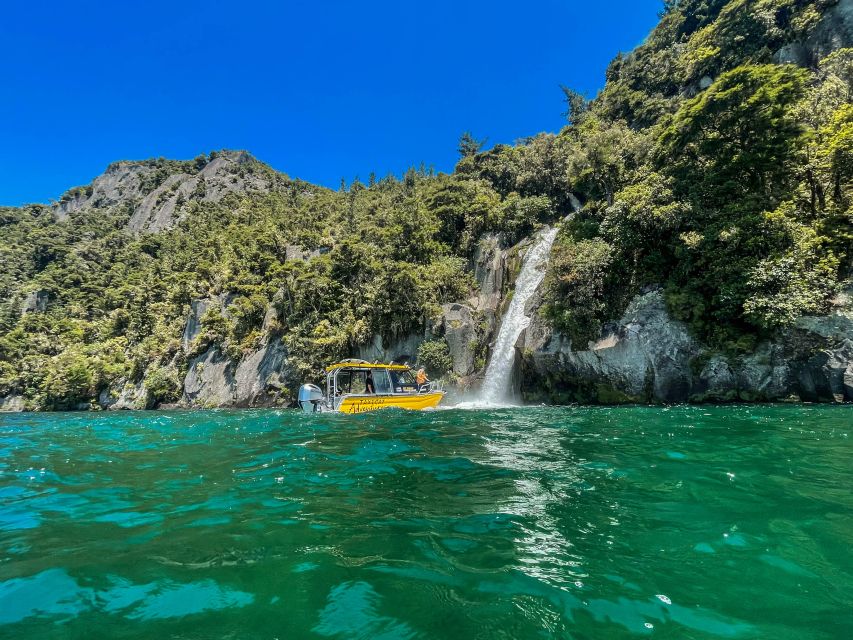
(684, 522)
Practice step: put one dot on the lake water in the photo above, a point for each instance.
(585, 523)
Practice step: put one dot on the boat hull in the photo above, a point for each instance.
(414, 402)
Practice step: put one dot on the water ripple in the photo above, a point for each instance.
(700, 522)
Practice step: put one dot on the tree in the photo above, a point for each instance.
(469, 145)
(577, 105)
(735, 142)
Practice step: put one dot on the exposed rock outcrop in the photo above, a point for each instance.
(405, 348)
(227, 173)
(35, 302)
(259, 378)
(156, 194)
(125, 395)
(12, 404)
(489, 266)
(210, 380)
(460, 332)
(833, 32)
(646, 356)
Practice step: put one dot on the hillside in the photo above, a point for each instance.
(710, 179)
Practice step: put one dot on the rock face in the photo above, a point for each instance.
(259, 378)
(156, 197)
(465, 326)
(489, 265)
(460, 333)
(405, 348)
(125, 395)
(193, 327)
(198, 308)
(833, 32)
(161, 208)
(11, 404)
(121, 182)
(35, 302)
(646, 356)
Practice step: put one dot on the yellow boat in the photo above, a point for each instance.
(348, 391)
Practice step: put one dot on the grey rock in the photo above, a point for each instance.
(12, 404)
(126, 183)
(705, 82)
(193, 327)
(717, 382)
(793, 53)
(35, 302)
(121, 182)
(460, 332)
(210, 380)
(294, 252)
(405, 348)
(834, 31)
(822, 377)
(125, 395)
(198, 308)
(648, 356)
(272, 316)
(836, 325)
(260, 378)
(489, 263)
(644, 356)
(162, 208)
(764, 374)
(847, 382)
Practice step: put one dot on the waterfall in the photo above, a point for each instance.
(496, 386)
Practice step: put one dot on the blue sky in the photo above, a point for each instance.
(319, 90)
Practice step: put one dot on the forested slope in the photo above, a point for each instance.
(715, 164)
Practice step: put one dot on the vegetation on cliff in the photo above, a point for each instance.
(708, 167)
(704, 165)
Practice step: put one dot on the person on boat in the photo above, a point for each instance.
(396, 383)
(421, 378)
(369, 387)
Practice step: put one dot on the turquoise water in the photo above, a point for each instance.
(689, 522)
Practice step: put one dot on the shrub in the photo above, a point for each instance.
(434, 356)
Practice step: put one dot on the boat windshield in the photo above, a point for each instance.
(403, 381)
(382, 381)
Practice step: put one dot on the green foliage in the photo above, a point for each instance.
(576, 287)
(577, 105)
(796, 281)
(738, 139)
(163, 385)
(384, 259)
(434, 356)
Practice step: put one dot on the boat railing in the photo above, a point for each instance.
(431, 386)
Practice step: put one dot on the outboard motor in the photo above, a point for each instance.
(310, 398)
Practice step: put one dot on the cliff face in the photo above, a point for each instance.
(157, 192)
(646, 356)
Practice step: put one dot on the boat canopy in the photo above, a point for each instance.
(363, 364)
